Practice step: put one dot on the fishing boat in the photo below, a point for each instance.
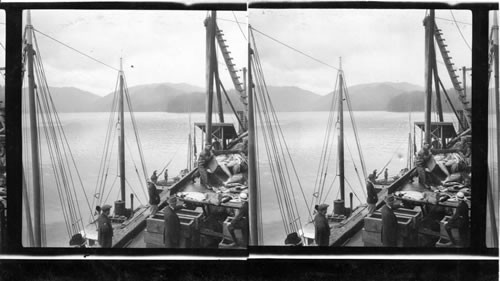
(205, 211)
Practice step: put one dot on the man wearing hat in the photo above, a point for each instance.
(389, 233)
(321, 226)
(423, 156)
(460, 220)
(240, 221)
(104, 228)
(172, 229)
(371, 194)
(154, 197)
(203, 162)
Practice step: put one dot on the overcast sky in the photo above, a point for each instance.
(375, 45)
(162, 46)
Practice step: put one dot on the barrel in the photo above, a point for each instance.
(338, 207)
(120, 208)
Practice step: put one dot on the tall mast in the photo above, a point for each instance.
(252, 168)
(341, 134)
(121, 139)
(35, 161)
(210, 55)
(429, 44)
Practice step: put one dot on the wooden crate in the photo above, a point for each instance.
(374, 239)
(196, 215)
(154, 232)
(373, 223)
(416, 216)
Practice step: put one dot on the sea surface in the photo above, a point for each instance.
(164, 138)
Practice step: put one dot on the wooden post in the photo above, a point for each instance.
(429, 43)
(210, 32)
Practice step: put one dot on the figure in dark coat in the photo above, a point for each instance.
(104, 228)
(172, 229)
(371, 194)
(423, 156)
(389, 233)
(321, 226)
(460, 220)
(203, 161)
(154, 198)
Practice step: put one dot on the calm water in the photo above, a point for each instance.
(164, 138)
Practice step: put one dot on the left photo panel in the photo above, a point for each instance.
(134, 129)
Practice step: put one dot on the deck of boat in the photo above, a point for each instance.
(343, 232)
(130, 233)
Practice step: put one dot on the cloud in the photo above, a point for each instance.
(163, 46)
(375, 45)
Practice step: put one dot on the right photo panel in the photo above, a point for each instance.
(362, 126)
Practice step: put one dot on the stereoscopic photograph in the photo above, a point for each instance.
(224, 129)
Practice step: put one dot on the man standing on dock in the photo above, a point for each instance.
(172, 229)
(371, 194)
(389, 233)
(423, 156)
(104, 228)
(321, 226)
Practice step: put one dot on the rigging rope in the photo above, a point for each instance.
(80, 52)
(242, 33)
(460, 31)
(276, 149)
(292, 48)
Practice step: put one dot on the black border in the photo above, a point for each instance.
(13, 86)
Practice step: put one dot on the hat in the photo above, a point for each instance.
(106, 207)
(389, 199)
(172, 201)
(244, 196)
(460, 195)
(323, 207)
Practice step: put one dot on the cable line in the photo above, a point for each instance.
(290, 47)
(459, 31)
(81, 53)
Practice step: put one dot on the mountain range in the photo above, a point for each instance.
(182, 97)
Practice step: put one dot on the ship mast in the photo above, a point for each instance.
(429, 45)
(35, 161)
(210, 73)
(341, 134)
(252, 168)
(121, 138)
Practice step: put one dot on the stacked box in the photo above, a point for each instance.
(155, 225)
(371, 233)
